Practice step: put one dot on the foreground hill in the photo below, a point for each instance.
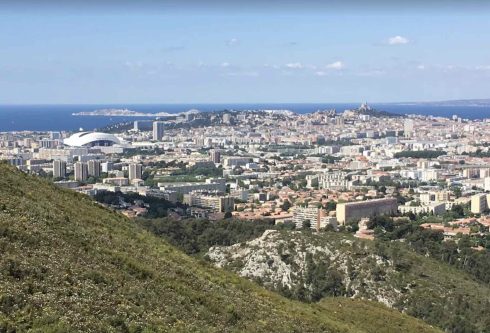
(312, 266)
(68, 264)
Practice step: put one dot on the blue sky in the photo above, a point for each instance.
(189, 56)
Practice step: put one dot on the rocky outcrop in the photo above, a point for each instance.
(311, 266)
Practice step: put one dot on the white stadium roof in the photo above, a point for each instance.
(91, 139)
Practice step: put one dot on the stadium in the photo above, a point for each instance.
(92, 139)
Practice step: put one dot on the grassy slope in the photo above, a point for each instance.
(368, 315)
(68, 264)
(442, 295)
(439, 294)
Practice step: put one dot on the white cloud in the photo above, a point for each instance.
(337, 65)
(295, 65)
(421, 67)
(398, 40)
(244, 73)
(321, 73)
(482, 68)
(232, 41)
(133, 64)
(225, 64)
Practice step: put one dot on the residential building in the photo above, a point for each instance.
(479, 203)
(329, 180)
(59, 169)
(487, 184)
(215, 156)
(94, 168)
(212, 184)
(217, 203)
(431, 208)
(158, 130)
(107, 166)
(408, 127)
(118, 181)
(353, 211)
(302, 215)
(135, 171)
(81, 171)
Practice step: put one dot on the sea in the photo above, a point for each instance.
(61, 118)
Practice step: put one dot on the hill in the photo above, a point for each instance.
(459, 102)
(312, 266)
(379, 113)
(70, 265)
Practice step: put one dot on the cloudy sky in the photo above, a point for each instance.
(189, 55)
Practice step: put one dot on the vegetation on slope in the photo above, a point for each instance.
(195, 236)
(458, 252)
(310, 266)
(346, 309)
(68, 264)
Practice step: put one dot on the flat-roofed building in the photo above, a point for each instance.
(167, 195)
(479, 203)
(135, 171)
(351, 150)
(325, 221)
(81, 171)
(215, 156)
(333, 181)
(302, 215)
(487, 184)
(426, 198)
(408, 128)
(67, 184)
(119, 181)
(212, 184)
(94, 168)
(431, 208)
(353, 211)
(217, 203)
(59, 169)
(231, 162)
(158, 130)
(107, 166)
(484, 172)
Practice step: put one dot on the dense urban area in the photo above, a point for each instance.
(225, 186)
(318, 170)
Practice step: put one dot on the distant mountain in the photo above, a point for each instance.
(460, 102)
(69, 265)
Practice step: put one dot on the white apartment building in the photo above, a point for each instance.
(217, 203)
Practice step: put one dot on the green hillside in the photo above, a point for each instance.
(68, 264)
(311, 266)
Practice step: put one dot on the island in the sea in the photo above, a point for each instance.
(130, 113)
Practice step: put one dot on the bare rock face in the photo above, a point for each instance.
(311, 266)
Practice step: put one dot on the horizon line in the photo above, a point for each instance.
(242, 103)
